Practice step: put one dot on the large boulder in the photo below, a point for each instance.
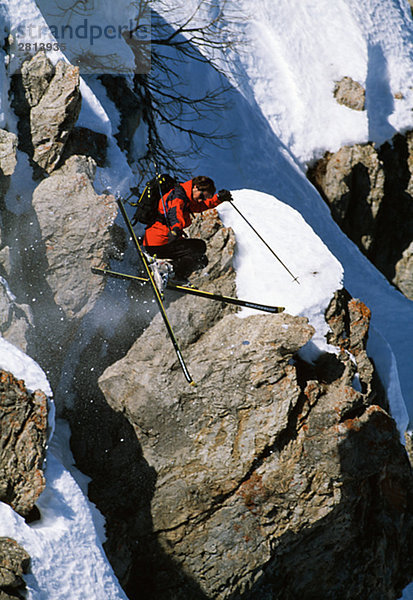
(47, 100)
(53, 117)
(37, 74)
(76, 228)
(271, 477)
(23, 437)
(204, 443)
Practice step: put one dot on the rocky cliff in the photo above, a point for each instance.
(369, 191)
(14, 563)
(272, 478)
(23, 439)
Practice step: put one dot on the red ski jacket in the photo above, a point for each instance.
(179, 206)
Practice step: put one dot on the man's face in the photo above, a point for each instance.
(199, 195)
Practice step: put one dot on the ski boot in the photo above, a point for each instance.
(162, 271)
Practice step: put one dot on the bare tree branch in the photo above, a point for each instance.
(192, 114)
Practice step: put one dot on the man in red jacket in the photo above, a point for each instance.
(166, 237)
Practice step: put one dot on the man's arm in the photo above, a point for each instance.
(176, 219)
(222, 196)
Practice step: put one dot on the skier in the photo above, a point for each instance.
(166, 237)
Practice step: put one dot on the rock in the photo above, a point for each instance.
(349, 320)
(404, 272)
(350, 93)
(23, 441)
(326, 498)
(370, 194)
(8, 147)
(68, 230)
(8, 160)
(37, 74)
(76, 228)
(269, 467)
(15, 319)
(14, 563)
(47, 100)
(204, 442)
(53, 117)
(352, 182)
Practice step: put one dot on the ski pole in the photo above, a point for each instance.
(262, 239)
(158, 175)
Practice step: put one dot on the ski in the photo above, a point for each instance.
(194, 291)
(157, 294)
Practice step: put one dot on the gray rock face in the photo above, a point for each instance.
(15, 319)
(47, 100)
(370, 193)
(338, 176)
(8, 160)
(75, 232)
(52, 118)
(23, 436)
(350, 93)
(188, 423)
(8, 146)
(36, 75)
(14, 563)
(404, 272)
(204, 442)
(271, 478)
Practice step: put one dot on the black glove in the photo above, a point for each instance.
(224, 196)
(174, 234)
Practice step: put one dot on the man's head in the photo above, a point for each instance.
(202, 188)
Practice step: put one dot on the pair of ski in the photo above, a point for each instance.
(178, 288)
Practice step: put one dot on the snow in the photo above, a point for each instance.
(67, 559)
(261, 274)
(23, 367)
(282, 115)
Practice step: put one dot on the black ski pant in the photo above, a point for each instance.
(187, 254)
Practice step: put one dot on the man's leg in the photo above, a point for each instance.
(187, 255)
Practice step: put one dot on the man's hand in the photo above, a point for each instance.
(174, 234)
(224, 196)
